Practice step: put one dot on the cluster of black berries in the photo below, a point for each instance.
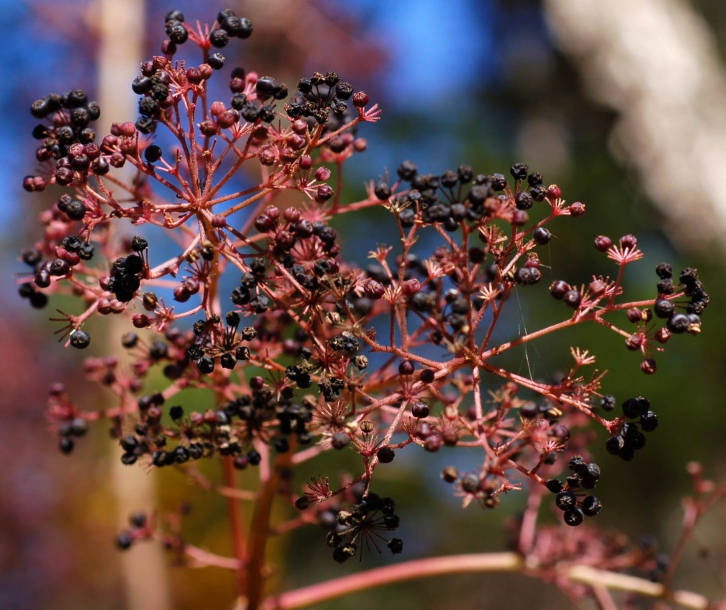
(76, 245)
(321, 94)
(76, 427)
(630, 438)
(218, 432)
(329, 387)
(248, 295)
(266, 88)
(230, 26)
(176, 31)
(67, 139)
(153, 84)
(316, 236)
(137, 530)
(73, 249)
(126, 272)
(206, 349)
(574, 503)
(362, 524)
(677, 322)
(300, 372)
(37, 299)
(445, 198)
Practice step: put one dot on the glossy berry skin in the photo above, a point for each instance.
(420, 409)
(635, 407)
(219, 38)
(591, 506)
(66, 445)
(574, 516)
(386, 455)
(206, 364)
(406, 367)
(572, 298)
(565, 500)
(648, 421)
(559, 288)
(678, 323)
(80, 339)
(541, 236)
(663, 308)
(615, 444)
(124, 541)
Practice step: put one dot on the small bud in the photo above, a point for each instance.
(360, 99)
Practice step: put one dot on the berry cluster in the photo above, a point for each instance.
(320, 94)
(128, 271)
(68, 139)
(574, 503)
(362, 526)
(664, 308)
(262, 313)
(138, 529)
(629, 438)
(448, 199)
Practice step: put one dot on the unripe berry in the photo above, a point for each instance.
(603, 243)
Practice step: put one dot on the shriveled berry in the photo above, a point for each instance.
(519, 171)
(607, 402)
(664, 271)
(554, 485)
(523, 200)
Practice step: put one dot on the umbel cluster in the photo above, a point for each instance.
(285, 346)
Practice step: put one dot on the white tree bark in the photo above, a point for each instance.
(656, 63)
(121, 31)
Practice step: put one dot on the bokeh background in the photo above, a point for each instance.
(623, 106)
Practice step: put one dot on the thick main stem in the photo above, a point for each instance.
(260, 530)
(235, 518)
(481, 562)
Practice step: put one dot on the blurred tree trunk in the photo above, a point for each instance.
(656, 63)
(121, 38)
